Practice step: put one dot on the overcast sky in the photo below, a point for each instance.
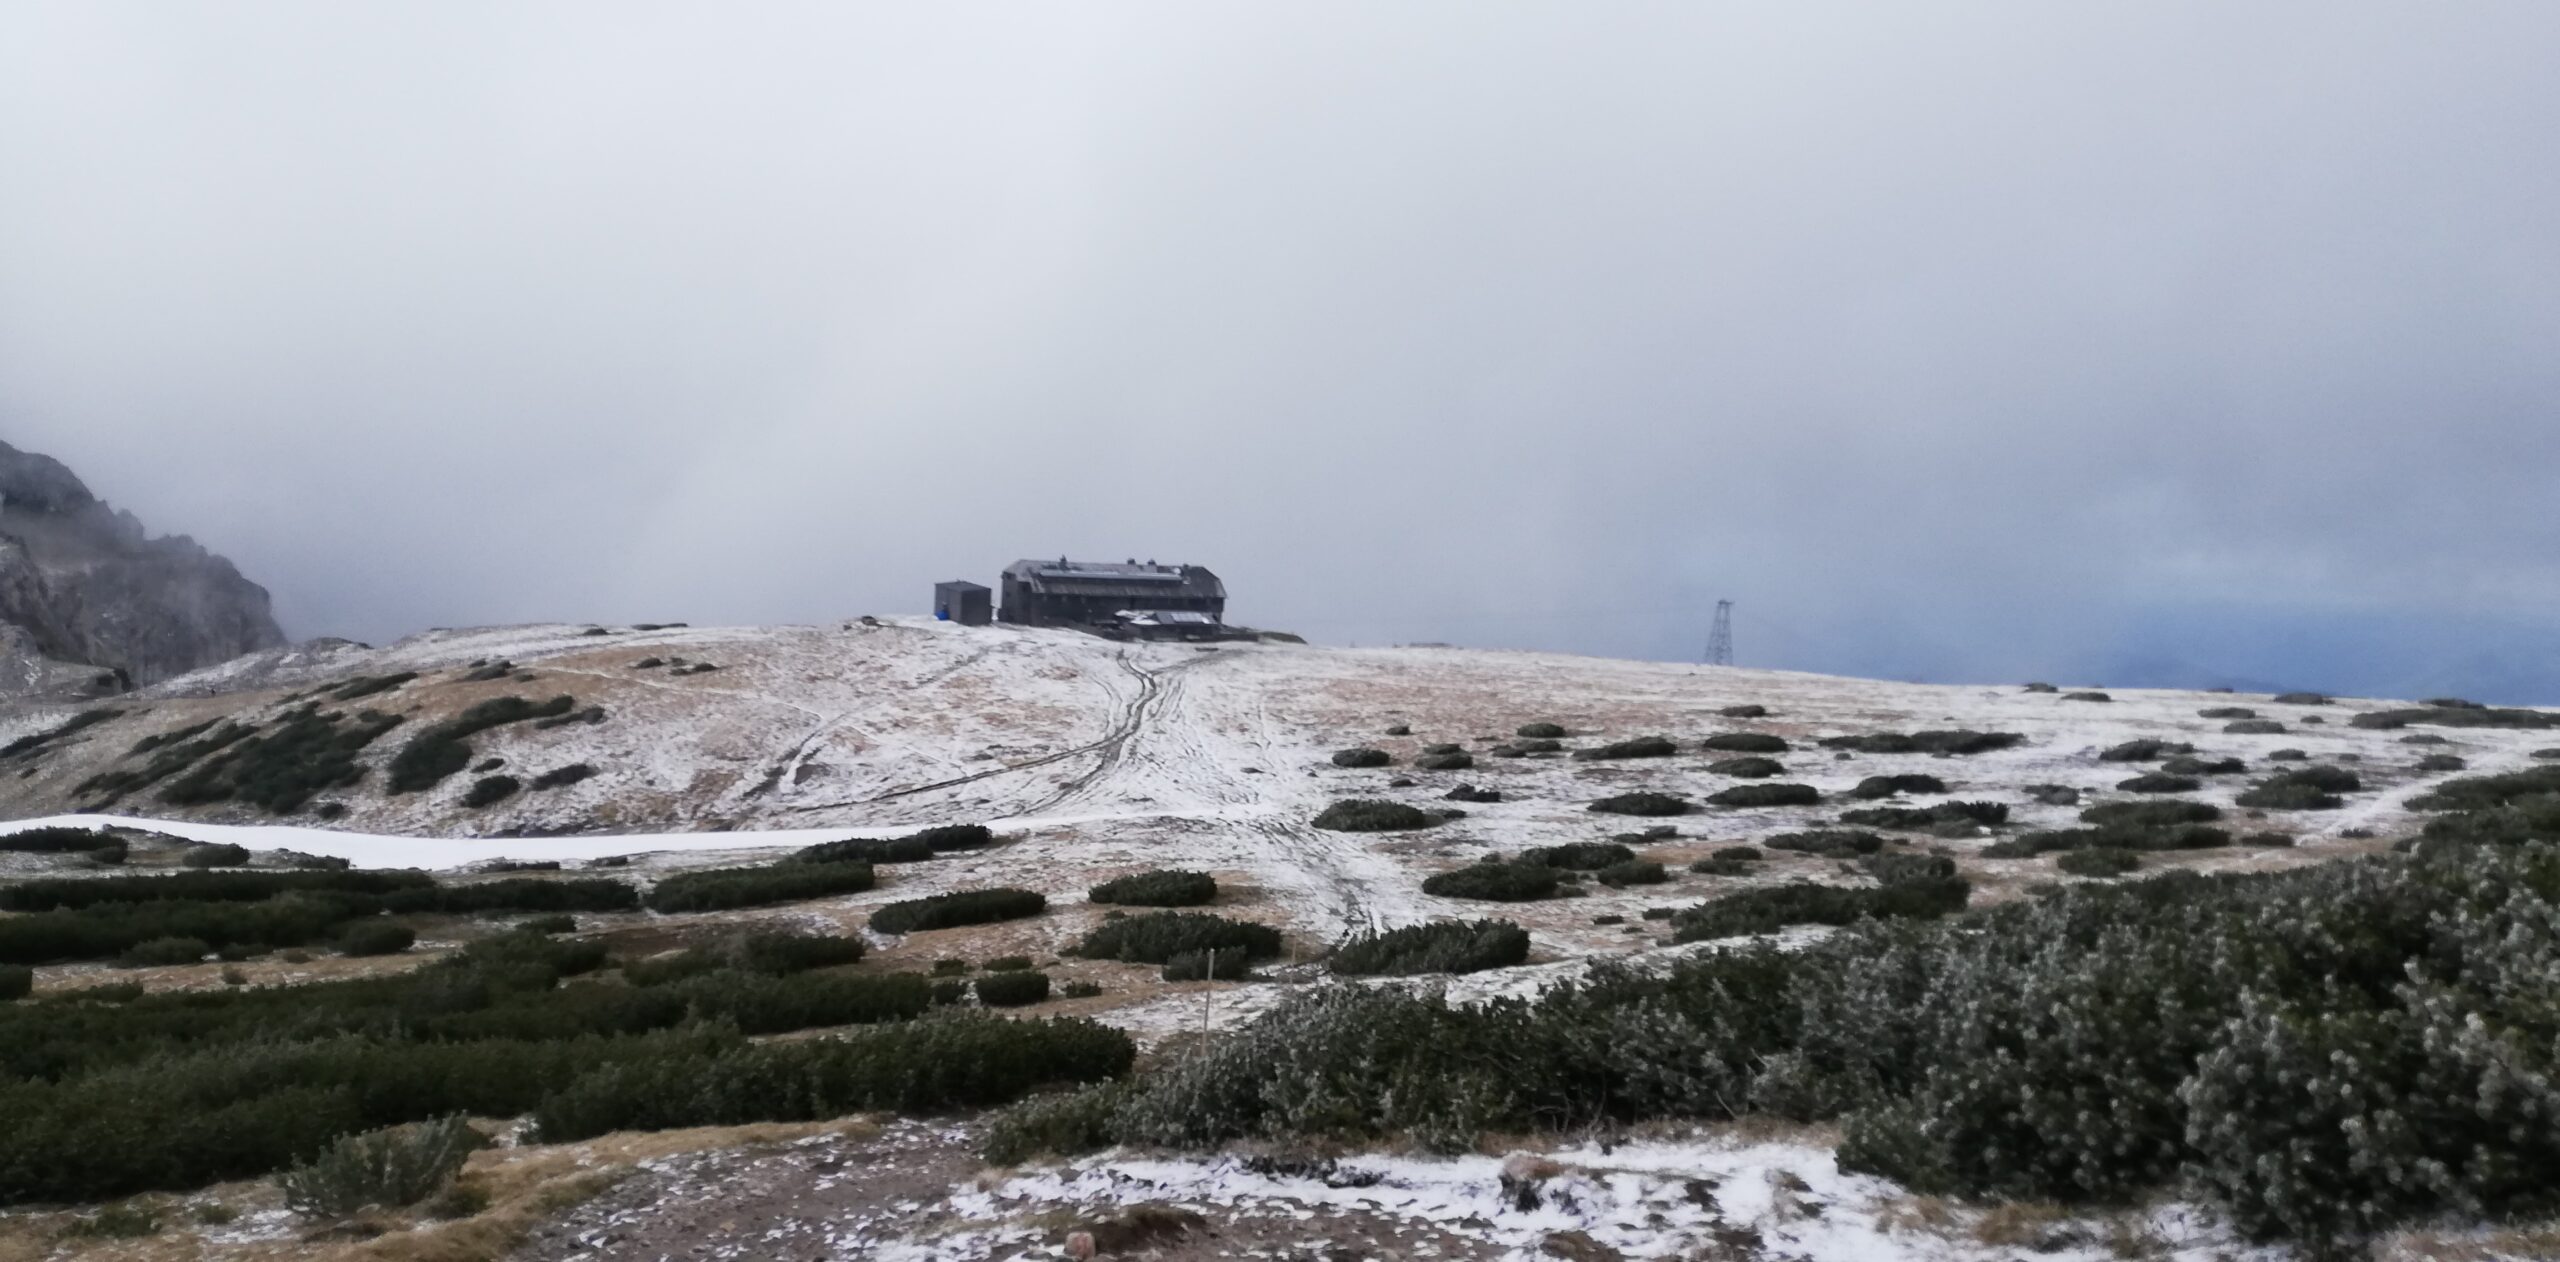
(2106, 342)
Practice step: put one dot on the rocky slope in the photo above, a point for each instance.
(90, 603)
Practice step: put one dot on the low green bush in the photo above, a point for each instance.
(1632, 872)
(2468, 793)
(2087, 694)
(1012, 989)
(365, 686)
(490, 790)
(950, 1062)
(1442, 946)
(2097, 861)
(1890, 869)
(1361, 758)
(1651, 804)
(871, 850)
(1747, 710)
(1494, 882)
(1744, 743)
(2225, 712)
(726, 889)
(1712, 866)
(1958, 741)
(376, 938)
(1540, 731)
(2441, 762)
(1636, 747)
(2254, 727)
(2194, 766)
(1771, 908)
(1874, 787)
(1524, 748)
(385, 1169)
(1827, 843)
(1160, 888)
(2157, 813)
(2302, 789)
(17, 981)
(2159, 782)
(1369, 815)
(1767, 795)
(2146, 749)
(1957, 817)
(1156, 938)
(159, 952)
(57, 840)
(215, 855)
(562, 777)
(1456, 760)
(959, 907)
(1217, 964)
(445, 748)
(2301, 698)
(1748, 768)
(2457, 716)
(1584, 856)
(1745, 854)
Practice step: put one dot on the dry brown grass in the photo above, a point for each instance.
(2017, 1224)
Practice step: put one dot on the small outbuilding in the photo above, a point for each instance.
(969, 604)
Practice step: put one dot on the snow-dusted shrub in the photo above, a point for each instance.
(2089, 694)
(1767, 795)
(2190, 765)
(2159, 782)
(1442, 946)
(1874, 787)
(2301, 698)
(1164, 887)
(2303, 789)
(562, 777)
(1637, 747)
(1954, 818)
(2152, 814)
(725, 889)
(1212, 964)
(1454, 760)
(2457, 716)
(2441, 762)
(1470, 793)
(1371, 815)
(2254, 727)
(219, 854)
(1747, 710)
(1361, 757)
(1771, 908)
(1494, 882)
(1827, 843)
(2478, 792)
(1013, 989)
(1524, 748)
(1748, 768)
(873, 850)
(1154, 939)
(383, 1169)
(1890, 868)
(2146, 749)
(1540, 731)
(445, 748)
(1632, 872)
(490, 790)
(58, 840)
(2097, 861)
(373, 937)
(1744, 743)
(958, 907)
(2226, 712)
(1953, 741)
(1643, 804)
(1585, 856)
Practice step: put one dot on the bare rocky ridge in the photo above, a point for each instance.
(91, 603)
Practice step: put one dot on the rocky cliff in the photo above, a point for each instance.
(91, 603)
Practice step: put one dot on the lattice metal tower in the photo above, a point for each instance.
(1720, 638)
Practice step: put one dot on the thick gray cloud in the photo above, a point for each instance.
(1955, 341)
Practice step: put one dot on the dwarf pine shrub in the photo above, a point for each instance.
(1454, 760)
(385, 1169)
(1370, 815)
(1771, 908)
(1156, 938)
(726, 889)
(1013, 988)
(1958, 741)
(1163, 887)
(1767, 795)
(1494, 882)
(1643, 804)
(17, 981)
(1445, 946)
(1827, 843)
(2153, 814)
(1362, 757)
(1889, 786)
(1637, 747)
(2159, 782)
(220, 854)
(2097, 861)
(959, 907)
(376, 938)
(2146, 749)
(1744, 743)
(2254, 727)
(1748, 768)
(1632, 872)
(1586, 856)
(2302, 789)
(1540, 731)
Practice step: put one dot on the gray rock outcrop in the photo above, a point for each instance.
(90, 603)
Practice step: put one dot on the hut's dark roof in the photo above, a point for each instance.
(1121, 579)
